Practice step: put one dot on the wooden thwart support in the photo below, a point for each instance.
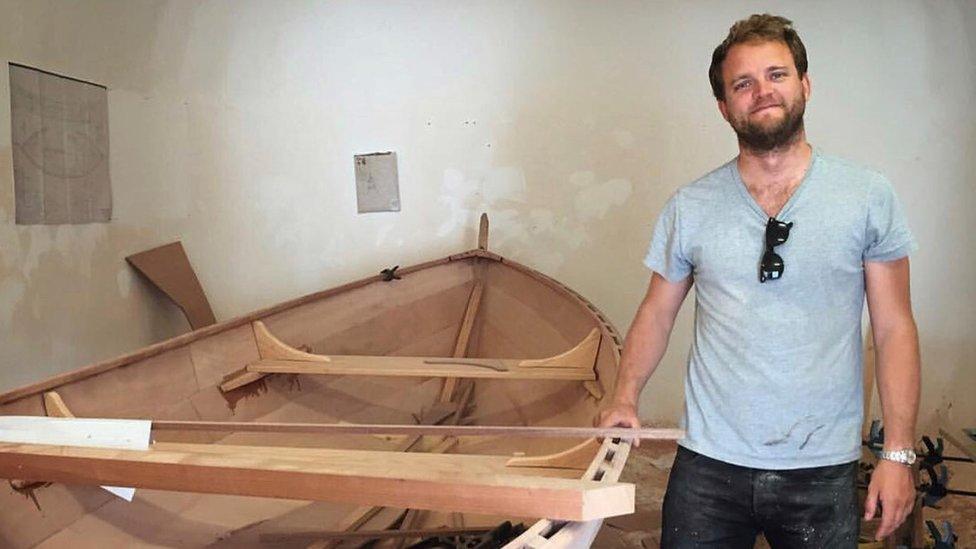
(278, 357)
(475, 484)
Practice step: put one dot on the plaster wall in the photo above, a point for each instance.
(233, 127)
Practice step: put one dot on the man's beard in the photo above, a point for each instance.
(765, 139)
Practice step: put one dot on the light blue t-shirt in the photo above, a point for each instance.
(775, 369)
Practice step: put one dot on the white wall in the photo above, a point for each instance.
(233, 126)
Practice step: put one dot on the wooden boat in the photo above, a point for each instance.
(505, 346)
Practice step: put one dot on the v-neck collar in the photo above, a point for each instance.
(751, 201)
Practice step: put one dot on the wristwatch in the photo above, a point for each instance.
(905, 456)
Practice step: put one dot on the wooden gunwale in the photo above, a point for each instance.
(195, 335)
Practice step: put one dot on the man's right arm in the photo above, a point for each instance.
(646, 342)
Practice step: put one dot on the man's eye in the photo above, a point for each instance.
(741, 85)
(779, 75)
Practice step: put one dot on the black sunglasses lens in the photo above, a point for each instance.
(777, 232)
(771, 266)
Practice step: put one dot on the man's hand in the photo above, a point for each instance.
(620, 414)
(893, 486)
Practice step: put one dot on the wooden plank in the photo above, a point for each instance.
(464, 336)
(403, 366)
(476, 484)
(169, 269)
(424, 430)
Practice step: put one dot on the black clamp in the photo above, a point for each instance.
(938, 488)
(390, 274)
(933, 452)
(875, 441)
(943, 540)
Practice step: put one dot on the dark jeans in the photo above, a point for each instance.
(710, 503)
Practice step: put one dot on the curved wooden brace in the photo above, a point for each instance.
(582, 356)
(54, 405)
(577, 457)
(272, 348)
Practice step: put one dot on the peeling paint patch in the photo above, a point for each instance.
(504, 183)
(596, 200)
(456, 192)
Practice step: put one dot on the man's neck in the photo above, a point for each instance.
(781, 169)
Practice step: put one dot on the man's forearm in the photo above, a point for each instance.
(645, 345)
(899, 381)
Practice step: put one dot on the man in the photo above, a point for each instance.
(782, 244)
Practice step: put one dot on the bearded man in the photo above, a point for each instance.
(782, 244)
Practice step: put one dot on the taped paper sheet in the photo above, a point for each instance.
(122, 434)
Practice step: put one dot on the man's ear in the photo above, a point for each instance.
(805, 82)
(723, 108)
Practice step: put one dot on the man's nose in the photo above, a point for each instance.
(763, 88)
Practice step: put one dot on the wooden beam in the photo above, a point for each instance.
(475, 484)
(407, 366)
(421, 430)
(169, 269)
(464, 336)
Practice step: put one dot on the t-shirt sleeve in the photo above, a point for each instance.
(887, 236)
(666, 255)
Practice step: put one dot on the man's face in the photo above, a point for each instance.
(764, 96)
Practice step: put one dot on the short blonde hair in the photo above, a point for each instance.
(757, 28)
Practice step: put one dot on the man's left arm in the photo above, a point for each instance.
(898, 374)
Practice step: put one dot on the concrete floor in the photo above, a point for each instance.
(648, 467)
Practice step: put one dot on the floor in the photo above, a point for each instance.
(648, 467)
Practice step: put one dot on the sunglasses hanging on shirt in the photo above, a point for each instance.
(771, 267)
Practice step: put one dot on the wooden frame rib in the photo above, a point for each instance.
(581, 357)
(476, 484)
(577, 457)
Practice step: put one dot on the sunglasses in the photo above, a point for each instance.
(771, 267)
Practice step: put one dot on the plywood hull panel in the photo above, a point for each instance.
(521, 314)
